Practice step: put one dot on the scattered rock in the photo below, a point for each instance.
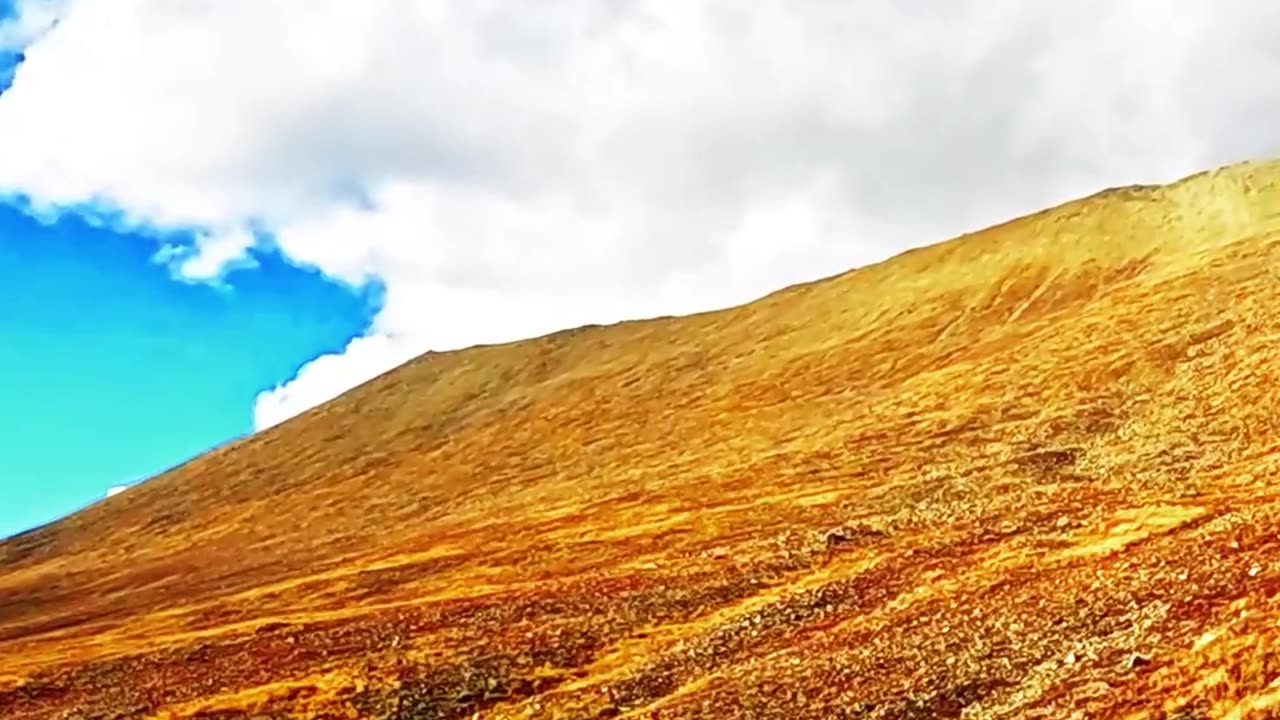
(835, 536)
(1138, 660)
(1049, 459)
(845, 534)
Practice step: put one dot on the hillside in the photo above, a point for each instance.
(1029, 472)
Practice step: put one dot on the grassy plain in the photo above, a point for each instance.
(1029, 472)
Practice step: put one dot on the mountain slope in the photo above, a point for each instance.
(1026, 472)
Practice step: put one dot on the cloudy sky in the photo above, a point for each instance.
(317, 190)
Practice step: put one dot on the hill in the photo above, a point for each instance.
(1028, 472)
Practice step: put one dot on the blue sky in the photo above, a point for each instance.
(111, 370)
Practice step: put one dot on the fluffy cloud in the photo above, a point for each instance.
(116, 490)
(327, 376)
(211, 255)
(504, 173)
(32, 19)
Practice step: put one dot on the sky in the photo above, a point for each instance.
(215, 214)
(110, 370)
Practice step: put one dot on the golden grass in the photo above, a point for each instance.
(1028, 472)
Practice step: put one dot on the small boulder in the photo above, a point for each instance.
(1138, 660)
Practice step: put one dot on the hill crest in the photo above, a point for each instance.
(993, 475)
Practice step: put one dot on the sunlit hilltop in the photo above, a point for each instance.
(1028, 472)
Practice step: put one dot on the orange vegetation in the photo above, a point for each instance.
(1030, 472)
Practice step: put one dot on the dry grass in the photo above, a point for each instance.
(1025, 473)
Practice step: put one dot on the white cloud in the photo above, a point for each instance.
(211, 256)
(327, 376)
(34, 19)
(116, 490)
(504, 173)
